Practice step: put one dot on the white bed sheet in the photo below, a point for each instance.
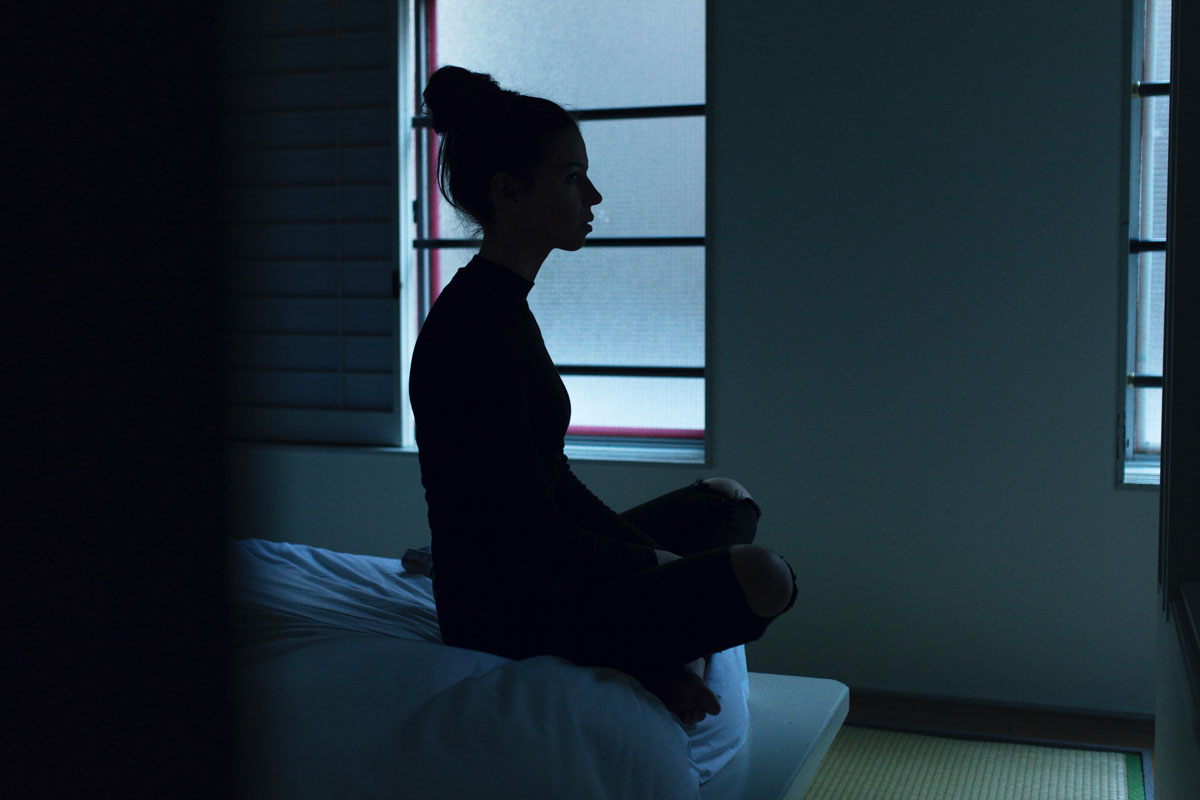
(363, 716)
(344, 689)
(321, 627)
(793, 721)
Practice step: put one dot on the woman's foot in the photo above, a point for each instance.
(685, 695)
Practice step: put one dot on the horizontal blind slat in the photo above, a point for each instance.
(281, 352)
(317, 278)
(286, 92)
(310, 315)
(283, 240)
(310, 165)
(286, 389)
(270, 240)
(327, 390)
(307, 54)
(313, 353)
(371, 203)
(369, 127)
(275, 20)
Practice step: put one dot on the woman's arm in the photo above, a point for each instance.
(484, 476)
(579, 505)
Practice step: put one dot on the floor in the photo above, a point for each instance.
(1001, 721)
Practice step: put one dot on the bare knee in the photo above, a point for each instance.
(728, 487)
(765, 578)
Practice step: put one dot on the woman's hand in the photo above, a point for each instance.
(686, 695)
(664, 556)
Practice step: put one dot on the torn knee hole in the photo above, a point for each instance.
(728, 487)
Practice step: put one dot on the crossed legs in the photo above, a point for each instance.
(659, 624)
(764, 578)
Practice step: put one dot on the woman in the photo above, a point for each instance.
(527, 560)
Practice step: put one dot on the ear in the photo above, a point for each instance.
(506, 191)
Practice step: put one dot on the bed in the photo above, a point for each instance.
(344, 689)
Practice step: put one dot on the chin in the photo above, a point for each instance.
(573, 244)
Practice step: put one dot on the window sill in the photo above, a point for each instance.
(577, 449)
(1140, 473)
(346, 448)
(658, 451)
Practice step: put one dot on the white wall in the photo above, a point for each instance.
(914, 268)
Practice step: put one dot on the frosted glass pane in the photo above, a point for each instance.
(581, 54)
(1157, 65)
(622, 306)
(633, 406)
(1155, 139)
(446, 261)
(448, 223)
(625, 307)
(444, 221)
(1147, 424)
(614, 306)
(1152, 280)
(650, 173)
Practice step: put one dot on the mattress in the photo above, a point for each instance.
(344, 689)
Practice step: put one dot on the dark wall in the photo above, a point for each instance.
(114, 549)
(1177, 719)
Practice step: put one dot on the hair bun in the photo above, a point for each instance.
(454, 94)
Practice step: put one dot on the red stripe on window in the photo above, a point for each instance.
(435, 255)
(645, 433)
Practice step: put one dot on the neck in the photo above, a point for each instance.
(513, 251)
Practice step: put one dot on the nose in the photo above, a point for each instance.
(597, 198)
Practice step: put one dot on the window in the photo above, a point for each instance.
(1142, 427)
(338, 242)
(624, 317)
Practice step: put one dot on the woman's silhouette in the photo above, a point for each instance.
(527, 561)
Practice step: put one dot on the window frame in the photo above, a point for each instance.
(601, 443)
(1135, 467)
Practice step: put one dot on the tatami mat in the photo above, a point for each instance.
(871, 764)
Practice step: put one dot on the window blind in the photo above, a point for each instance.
(311, 206)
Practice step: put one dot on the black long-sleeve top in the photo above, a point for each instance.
(511, 524)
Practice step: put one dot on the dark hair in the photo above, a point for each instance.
(485, 130)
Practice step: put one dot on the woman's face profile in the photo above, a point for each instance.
(558, 206)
